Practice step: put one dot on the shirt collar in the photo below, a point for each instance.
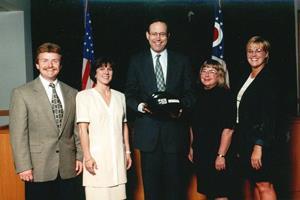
(162, 54)
(46, 83)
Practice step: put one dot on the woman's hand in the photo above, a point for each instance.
(256, 157)
(91, 165)
(128, 161)
(220, 163)
(191, 155)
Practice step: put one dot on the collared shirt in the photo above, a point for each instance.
(48, 90)
(240, 95)
(163, 59)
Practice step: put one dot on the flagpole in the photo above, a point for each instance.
(85, 11)
(297, 53)
(88, 50)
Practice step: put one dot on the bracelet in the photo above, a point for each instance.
(220, 155)
(128, 152)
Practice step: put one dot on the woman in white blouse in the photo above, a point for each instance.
(101, 116)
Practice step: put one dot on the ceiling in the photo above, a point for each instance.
(11, 5)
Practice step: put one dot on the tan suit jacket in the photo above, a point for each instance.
(36, 141)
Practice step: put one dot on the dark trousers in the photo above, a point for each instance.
(58, 189)
(162, 175)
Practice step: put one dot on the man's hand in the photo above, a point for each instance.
(26, 175)
(146, 109)
(178, 115)
(79, 167)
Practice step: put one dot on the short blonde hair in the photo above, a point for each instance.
(210, 63)
(265, 44)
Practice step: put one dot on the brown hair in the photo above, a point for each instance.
(104, 60)
(155, 20)
(47, 47)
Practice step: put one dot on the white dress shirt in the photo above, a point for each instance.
(163, 59)
(48, 90)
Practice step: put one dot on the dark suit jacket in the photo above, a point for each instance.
(258, 112)
(36, 141)
(141, 83)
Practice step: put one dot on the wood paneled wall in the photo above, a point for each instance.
(295, 159)
(11, 187)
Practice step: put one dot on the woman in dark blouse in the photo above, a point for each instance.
(256, 114)
(213, 119)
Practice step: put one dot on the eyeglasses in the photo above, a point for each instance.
(209, 72)
(256, 51)
(161, 34)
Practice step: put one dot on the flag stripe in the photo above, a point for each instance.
(88, 51)
(86, 73)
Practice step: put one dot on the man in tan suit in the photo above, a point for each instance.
(43, 133)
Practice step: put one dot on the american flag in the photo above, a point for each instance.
(218, 40)
(88, 52)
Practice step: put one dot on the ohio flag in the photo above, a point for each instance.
(218, 40)
(88, 51)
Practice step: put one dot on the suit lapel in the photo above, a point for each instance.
(171, 70)
(149, 72)
(67, 109)
(44, 100)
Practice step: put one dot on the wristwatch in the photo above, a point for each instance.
(220, 155)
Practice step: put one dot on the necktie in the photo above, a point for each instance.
(159, 75)
(56, 105)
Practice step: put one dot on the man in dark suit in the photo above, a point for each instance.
(160, 140)
(45, 143)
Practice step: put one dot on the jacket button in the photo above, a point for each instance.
(57, 151)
